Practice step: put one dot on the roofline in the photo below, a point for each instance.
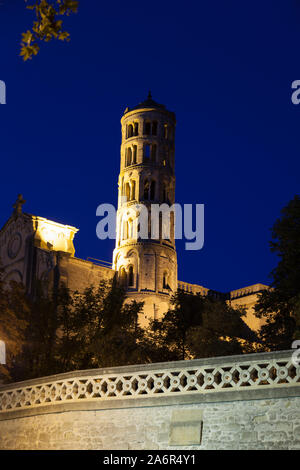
(34, 218)
(133, 111)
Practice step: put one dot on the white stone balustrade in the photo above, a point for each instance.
(190, 381)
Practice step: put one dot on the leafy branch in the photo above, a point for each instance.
(48, 24)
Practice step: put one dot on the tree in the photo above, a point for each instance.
(280, 306)
(70, 331)
(13, 312)
(223, 331)
(48, 24)
(171, 332)
(200, 326)
(105, 330)
(38, 356)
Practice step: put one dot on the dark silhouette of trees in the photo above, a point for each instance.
(280, 306)
(201, 326)
(99, 327)
(61, 331)
(13, 312)
(95, 328)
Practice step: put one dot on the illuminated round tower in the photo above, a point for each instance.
(146, 262)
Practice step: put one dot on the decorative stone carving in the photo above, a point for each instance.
(243, 374)
(14, 245)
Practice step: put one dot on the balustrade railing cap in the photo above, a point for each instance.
(156, 366)
(226, 378)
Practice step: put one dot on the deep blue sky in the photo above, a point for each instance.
(226, 70)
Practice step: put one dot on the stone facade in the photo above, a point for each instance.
(259, 424)
(147, 266)
(77, 274)
(34, 248)
(262, 415)
(245, 297)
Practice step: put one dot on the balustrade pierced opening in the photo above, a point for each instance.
(141, 384)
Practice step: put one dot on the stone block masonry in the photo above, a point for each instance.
(237, 402)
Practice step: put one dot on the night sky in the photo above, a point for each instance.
(224, 68)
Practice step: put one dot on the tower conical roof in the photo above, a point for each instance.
(148, 103)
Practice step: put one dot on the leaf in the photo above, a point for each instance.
(47, 25)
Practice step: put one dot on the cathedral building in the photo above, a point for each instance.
(33, 247)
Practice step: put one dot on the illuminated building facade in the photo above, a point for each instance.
(146, 263)
(34, 248)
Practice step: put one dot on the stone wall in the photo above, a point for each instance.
(265, 416)
(78, 274)
(257, 424)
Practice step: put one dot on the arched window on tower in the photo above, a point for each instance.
(147, 151)
(164, 194)
(146, 190)
(138, 231)
(133, 185)
(165, 281)
(136, 128)
(130, 131)
(134, 157)
(154, 128)
(152, 191)
(127, 191)
(130, 276)
(123, 277)
(166, 156)
(147, 128)
(125, 230)
(166, 131)
(130, 228)
(129, 156)
(153, 152)
(149, 225)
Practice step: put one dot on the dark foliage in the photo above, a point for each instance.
(279, 307)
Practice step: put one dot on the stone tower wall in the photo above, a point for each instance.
(146, 266)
